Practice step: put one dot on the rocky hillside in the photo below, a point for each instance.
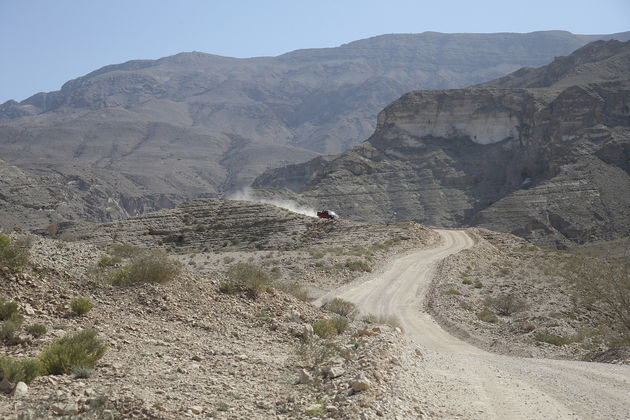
(190, 347)
(213, 231)
(41, 197)
(195, 125)
(550, 163)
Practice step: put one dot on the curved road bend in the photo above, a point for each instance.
(472, 382)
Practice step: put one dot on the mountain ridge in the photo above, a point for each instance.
(180, 128)
(543, 163)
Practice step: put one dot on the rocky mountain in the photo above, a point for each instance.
(37, 197)
(196, 124)
(549, 161)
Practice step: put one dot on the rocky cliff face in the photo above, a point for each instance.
(196, 125)
(35, 198)
(550, 164)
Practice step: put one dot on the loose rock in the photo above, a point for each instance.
(361, 383)
(20, 390)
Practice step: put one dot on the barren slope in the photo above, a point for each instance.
(187, 348)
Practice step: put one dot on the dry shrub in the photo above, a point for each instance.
(8, 310)
(324, 328)
(12, 255)
(547, 336)
(19, 370)
(36, 330)
(506, 304)
(9, 332)
(152, 266)
(81, 306)
(486, 315)
(250, 277)
(340, 307)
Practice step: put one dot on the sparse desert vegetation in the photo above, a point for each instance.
(536, 300)
(206, 316)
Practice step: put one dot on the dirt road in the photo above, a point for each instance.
(457, 380)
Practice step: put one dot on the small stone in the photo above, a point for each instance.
(361, 383)
(197, 358)
(294, 316)
(20, 390)
(305, 377)
(6, 386)
(196, 409)
(331, 409)
(65, 408)
(89, 392)
(28, 309)
(160, 407)
(418, 353)
(335, 372)
(307, 332)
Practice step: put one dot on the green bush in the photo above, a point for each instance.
(146, 267)
(75, 350)
(467, 281)
(250, 277)
(12, 255)
(486, 315)
(36, 330)
(4, 241)
(340, 306)
(452, 292)
(357, 265)
(547, 336)
(9, 332)
(340, 323)
(81, 306)
(24, 370)
(324, 328)
(8, 310)
(226, 287)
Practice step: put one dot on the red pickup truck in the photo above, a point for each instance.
(327, 214)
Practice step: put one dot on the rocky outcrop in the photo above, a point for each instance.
(216, 225)
(35, 198)
(550, 164)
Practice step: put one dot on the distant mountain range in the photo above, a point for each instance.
(148, 134)
(543, 153)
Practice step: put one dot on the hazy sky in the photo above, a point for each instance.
(44, 43)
